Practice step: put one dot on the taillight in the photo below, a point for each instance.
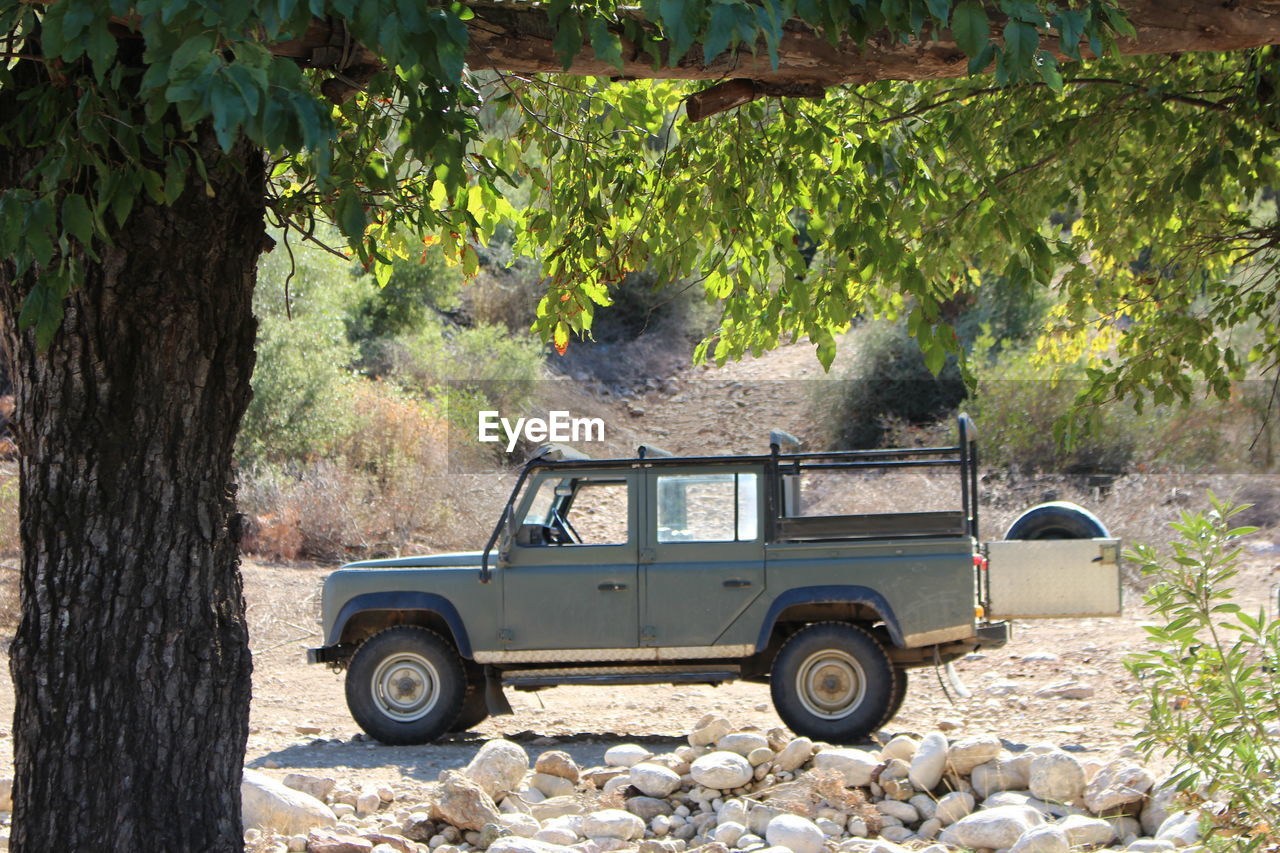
(980, 562)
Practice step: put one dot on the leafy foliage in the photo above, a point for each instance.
(1212, 684)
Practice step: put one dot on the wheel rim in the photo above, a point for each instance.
(406, 687)
(830, 684)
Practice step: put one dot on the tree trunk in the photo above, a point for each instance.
(131, 662)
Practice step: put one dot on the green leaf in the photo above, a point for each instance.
(1070, 26)
(940, 10)
(43, 309)
(970, 27)
(351, 217)
(1020, 43)
(723, 29)
(77, 220)
(568, 40)
(1049, 73)
(605, 42)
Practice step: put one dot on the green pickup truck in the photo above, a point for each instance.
(664, 569)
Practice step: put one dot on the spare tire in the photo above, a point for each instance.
(1057, 520)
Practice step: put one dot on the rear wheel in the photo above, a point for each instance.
(833, 681)
(1057, 520)
(405, 685)
(899, 696)
(475, 710)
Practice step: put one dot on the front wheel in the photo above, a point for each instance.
(405, 685)
(833, 681)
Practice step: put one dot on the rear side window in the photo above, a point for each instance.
(707, 508)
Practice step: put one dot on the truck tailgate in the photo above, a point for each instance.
(1049, 578)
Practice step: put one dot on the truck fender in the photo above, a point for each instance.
(830, 595)
(403, 601)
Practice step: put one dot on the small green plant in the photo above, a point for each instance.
(1212, 684)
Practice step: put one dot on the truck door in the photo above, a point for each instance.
(702, 558)
(571, 581)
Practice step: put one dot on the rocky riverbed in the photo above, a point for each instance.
(736, 789)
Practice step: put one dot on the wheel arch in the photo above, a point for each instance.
(841, 603)
(365, 615)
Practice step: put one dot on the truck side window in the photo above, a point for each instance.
(598, 513)
(707, 508)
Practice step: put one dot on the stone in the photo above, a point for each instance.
(647, 808)
(904, 812)
(742, 743)
(556, 762)
(953, 807)
(760, 755)
(626, 755)
(900, 747)
(721, 770)
(394, 843)
(728, 833)
(324, 841)
(829, 827)
(1056, 776)
(462, 802)
(794, 754)
(516, 844)
(855, 765)
(418, 827)
(929, 829)
(519, 824)
(367, 803)
(556, 835)
(268, 804)
(555, 807)
(1182, 829)
(1124, 827)
(1083, 831)
(552, 786)
(498, 768)
(894, 770)
(1117, 784)
(896, 834)
(795, 833)
(317, 786)
(612, 823)
(1002, 687)
(710, 732)
(1041, 657)
(857, 827)
(997, 775)
(929, 762)
(1149, 845)
(996, 828)
(759, 818)
(1160, 804)
(654, 780)
(925, 806)
(967, 753)
(1042, 839)
(1070, 689)
(734, 811)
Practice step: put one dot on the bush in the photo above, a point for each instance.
(1213, 684)
(886, 386)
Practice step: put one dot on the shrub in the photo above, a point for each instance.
(1213, 683)
(886, 385)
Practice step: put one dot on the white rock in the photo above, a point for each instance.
(925, 805)
(1180, 828)
(894, 770)
(612, 823)
(855, 765)
(953, 807)
(1149, 845)
(1117, 784)
(555, 835)
(795, 833)
(1070, 689)
(733, 811)
(896, 834)
(759, 818)
(929, 762)
(626, 755)
(1042, 839)
(317, 786)
(997, 775)
(498, 767)
(996, 828)
(901, 747)
(760, 755)
(518, 823)
(967, 753)
(794, 754)
(268, 804)
(742, 743)
(552, 786)
(728, 833)
(556, 762)
(516, 844)
(654, 780)
(929, 829)
(1008, 798)
(647, 808)
(660, 825)
(1056, 776)
(721, 770)
(1084, 831)
(1041, 657)
(829, 827)
(710, 732)
(904, 812)
(1124, 827)
(857, 827)
(367, 803)
(1160, 804)
(1002, 687)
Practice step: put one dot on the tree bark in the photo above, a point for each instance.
(516, 37)
(131, 663)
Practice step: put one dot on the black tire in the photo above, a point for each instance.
(833, 681)
(1057, 520)
(475, 710)
(899, 696)
(427, 678)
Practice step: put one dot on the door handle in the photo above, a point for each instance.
(611, 587)
(737, 583)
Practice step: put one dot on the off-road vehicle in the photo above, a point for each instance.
(664, 569)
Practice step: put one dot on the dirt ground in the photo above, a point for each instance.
(300, 722)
